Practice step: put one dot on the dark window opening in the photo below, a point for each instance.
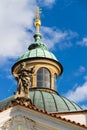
(43, 78)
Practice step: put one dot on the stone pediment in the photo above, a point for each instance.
(22, 118)
(19, 122)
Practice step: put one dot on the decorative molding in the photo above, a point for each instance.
(19, 120)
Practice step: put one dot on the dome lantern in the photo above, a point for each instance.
(45, 64)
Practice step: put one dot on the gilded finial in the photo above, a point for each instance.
(37, 22)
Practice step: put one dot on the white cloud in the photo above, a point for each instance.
(84, 107)
(52, 36)
(15, 17)
(83, 42)
(47, 3)
(85, 77)
(80, 71)
(79, 94)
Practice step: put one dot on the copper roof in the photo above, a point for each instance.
(47, 100)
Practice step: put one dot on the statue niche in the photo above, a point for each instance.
(24, 81)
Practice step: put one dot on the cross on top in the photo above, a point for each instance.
(38, 11)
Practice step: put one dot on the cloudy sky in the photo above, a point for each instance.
(64, 30)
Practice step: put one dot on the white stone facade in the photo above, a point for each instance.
(22, 118)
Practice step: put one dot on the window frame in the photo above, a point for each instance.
(45, 78)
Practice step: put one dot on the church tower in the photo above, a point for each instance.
(35, 72)
(40, 65)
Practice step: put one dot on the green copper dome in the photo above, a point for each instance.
(37, 52)
(47, 100)
(51, 101)
(38, 49)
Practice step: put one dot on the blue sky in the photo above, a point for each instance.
(64, 30)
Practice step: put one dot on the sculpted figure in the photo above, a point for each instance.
(24, 80)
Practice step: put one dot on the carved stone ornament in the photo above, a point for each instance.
(19, 123)
(23, 77)
(22, 100)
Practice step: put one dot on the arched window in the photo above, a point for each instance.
(43, 78)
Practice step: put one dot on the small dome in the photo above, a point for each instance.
(51, 101)
(37, 50)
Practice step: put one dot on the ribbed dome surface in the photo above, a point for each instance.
(47, 100)
(50, 101)
(37, 50)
